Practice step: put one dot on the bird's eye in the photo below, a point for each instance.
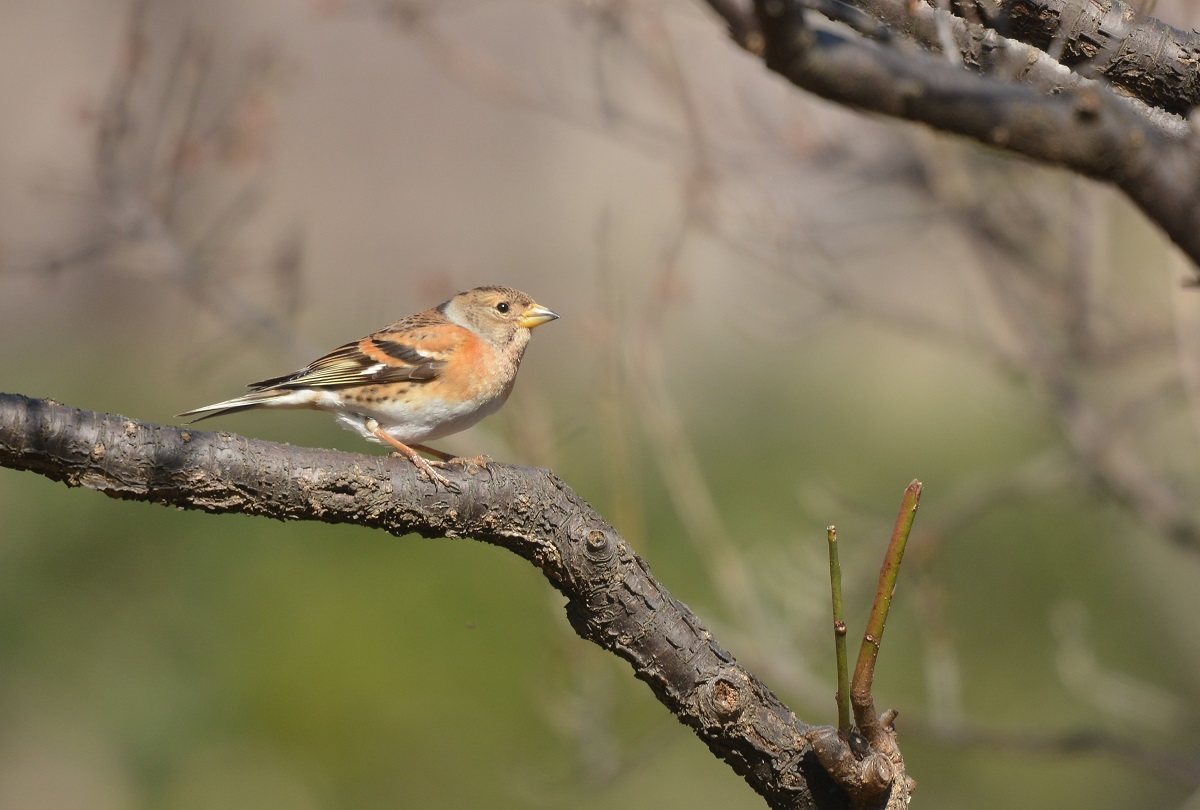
(502, 307)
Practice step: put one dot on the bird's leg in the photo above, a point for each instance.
(421, 463)
(427, 449)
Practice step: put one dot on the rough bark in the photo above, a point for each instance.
(1147, 58)
(612, 599)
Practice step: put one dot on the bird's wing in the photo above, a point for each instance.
(390, 355)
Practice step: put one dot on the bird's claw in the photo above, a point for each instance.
(427, 466)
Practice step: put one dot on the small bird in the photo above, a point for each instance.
(421, 378)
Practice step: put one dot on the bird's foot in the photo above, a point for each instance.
(420, 462)
(426, 466)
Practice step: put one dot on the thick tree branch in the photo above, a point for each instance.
(988, 50)
(1087, 130)
(1145, 57)
(612, 599)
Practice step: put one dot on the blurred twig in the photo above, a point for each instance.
(1116, 695)
(1183, 769)
(157, 147)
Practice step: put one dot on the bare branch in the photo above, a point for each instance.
(612, 599)
(1088, 130)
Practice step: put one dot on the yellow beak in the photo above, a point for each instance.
(536, 315)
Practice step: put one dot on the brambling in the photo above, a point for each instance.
(421, 378)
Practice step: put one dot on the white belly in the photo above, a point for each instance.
(434, 420)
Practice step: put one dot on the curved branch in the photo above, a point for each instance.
(612, 599)
(1088, 130)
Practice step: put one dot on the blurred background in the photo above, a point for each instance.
(775, 314)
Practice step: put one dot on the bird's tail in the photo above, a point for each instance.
(255, 399)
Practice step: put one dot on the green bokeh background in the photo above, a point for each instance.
(151, 658)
